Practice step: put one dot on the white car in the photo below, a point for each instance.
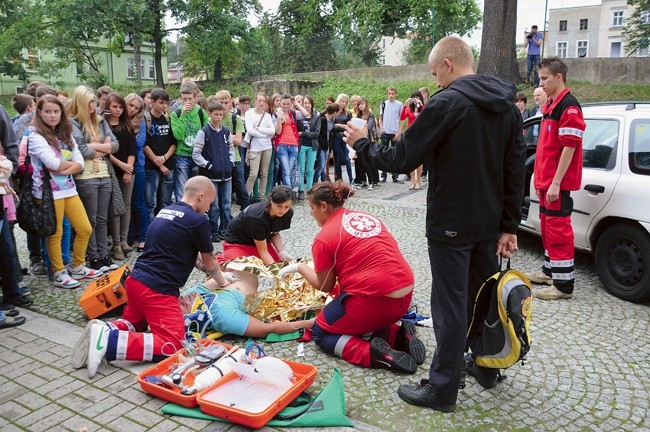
(611, 211)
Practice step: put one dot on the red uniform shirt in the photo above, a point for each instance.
(365, 256)
(562, 126)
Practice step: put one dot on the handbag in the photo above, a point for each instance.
(37, 217)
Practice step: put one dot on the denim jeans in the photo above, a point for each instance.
(138, 204)
(185, 169)
(306, 159)
(239, 185)
(341, 155)
(95, 195)
(220, 213)
(154, 178)
(66, 243)
(287, 155)
(321, 166)
(247, 170)
(10, 290)
(532, 61)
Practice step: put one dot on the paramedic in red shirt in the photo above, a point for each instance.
(376, 285)
(558, 170)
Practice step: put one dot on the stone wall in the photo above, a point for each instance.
(628, 70)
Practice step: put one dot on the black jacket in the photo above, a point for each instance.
(469, 135)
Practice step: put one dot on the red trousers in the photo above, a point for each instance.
(232, 251)
(346, 325)
(161, 312)
(558, 239)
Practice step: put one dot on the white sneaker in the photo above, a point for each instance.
(96, 347)
(63, 280)
(82, 272)
(79, 355)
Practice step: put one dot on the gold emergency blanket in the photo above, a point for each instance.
(278, 299)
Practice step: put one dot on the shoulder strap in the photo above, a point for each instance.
(234, 121)
(178, 112)
(201, 117)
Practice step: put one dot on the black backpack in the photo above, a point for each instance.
(499, 334)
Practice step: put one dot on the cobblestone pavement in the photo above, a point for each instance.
(588, 369)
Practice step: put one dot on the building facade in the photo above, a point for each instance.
(118, 69)
(590, 31)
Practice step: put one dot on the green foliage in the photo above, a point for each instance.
(212, 33)
(637, 30)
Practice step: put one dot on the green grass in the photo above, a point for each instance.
(375, 92)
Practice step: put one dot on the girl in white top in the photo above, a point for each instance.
(52, 148)
(259, 131)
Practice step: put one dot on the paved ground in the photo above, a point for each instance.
(589, 367)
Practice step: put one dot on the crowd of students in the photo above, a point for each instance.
(116, 160)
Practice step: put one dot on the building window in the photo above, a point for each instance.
(643, 51)
(561, 50)
(152, 69)
(582, 49)
(645, 16)
(130, 62)
(615, 49)
(563, 25)
(617, 20)
(129, 68)
(584, 24)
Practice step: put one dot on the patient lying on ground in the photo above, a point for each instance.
(226, 310)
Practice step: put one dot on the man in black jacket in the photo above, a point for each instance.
(470, 136)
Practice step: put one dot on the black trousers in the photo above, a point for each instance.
(387, 140)
(458, 269)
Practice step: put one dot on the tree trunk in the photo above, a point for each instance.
(137, 59)
(218, 70)
(157, 41)
(498, 43)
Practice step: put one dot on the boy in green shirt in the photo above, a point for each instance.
(186, 121)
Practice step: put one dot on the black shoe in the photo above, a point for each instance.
(12, 322)
(216, 238)
(383, 356)
(423, 395)
(23, 301)
(96, 264)
(408, 341)
(12, 313)
(486, 377)
(108, 265)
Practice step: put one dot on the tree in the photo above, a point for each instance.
(415, 20)
(212, 33)
(637, 31)
(307, 31)
(498, 44)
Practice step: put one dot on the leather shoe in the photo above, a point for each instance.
(423, 395)
(12, 322)
(486, 377)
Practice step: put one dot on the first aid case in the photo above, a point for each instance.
(251, 403)
(173, 394)
(106, 293)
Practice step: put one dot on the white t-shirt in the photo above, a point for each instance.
(390, 116)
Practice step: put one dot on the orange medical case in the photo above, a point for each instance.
(172, 394)
(106, 293)
(230, 397)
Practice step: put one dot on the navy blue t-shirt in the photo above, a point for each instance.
(174, 238)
